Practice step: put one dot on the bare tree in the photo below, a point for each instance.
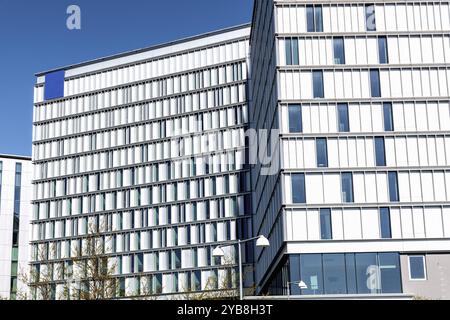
(89, 273)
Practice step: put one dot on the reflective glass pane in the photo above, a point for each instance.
(311, 273)
(334, 274)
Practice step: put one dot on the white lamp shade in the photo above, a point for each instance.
(302, 285)
(218, 252)
(262, 242)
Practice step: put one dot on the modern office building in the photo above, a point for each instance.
(145, 149)
(15, 213)
(359, 93)
(149, 151)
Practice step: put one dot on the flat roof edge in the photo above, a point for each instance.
(155, 47)
(15, 157)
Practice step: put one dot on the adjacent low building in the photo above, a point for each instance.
(15, 212)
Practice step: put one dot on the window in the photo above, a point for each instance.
(380, 152)
(383, 50)
(371, 24)
(347, 187)
(322, 153)
(339, 51)
(360, 273)
(311, 273)
(334, 274)
(375, 83)
(295, 119)
(314, 18)
(298, 188)
(385, 223)
(318, 84)
(292, 57)
(325, 224)
(417, 269)
(344, 123)
(393, 187)
(388, 117)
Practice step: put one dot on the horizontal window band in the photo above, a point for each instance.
(127, 147)
(151, 206)
(134, 230)
(357, 170)
(149, 141)
(148, 162)
(142, 122)
(371, 135)
(147, 185)
(360, 34)
(135, 167)
(364, 67)
(241, 61)
(155, 99)
(137, 62)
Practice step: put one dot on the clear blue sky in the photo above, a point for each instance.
(34, 37)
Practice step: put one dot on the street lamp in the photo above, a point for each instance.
(261, 242)
(301, 284)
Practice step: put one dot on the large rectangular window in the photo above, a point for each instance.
(385, 223)
(375, 83)
(388, 117)
(371, 23)
(314, 18)
(298, 188)
(295, 119)
(393, 187)
(380, 152)
(318, 84)
(347, 187)
(292, 57)
(334, 279)
(339, 51)
(325, 224)
(322, 153)
(383, 50)
(344, 123)
(351, 273)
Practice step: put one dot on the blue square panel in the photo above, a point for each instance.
(54, 85)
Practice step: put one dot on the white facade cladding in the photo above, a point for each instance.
(359, 91)
(147, 147)
(15, 213)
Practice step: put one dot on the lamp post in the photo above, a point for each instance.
(301, 284)
(261, 242)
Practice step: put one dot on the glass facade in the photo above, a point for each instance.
(350, 273)
(16, 227)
